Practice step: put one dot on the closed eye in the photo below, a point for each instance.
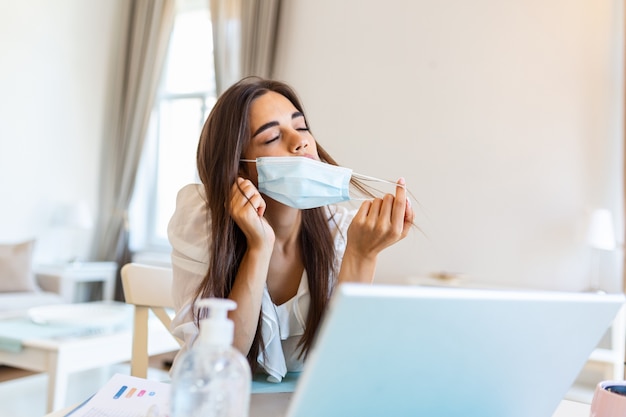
(275, 138)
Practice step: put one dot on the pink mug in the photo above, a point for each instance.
(609, 399)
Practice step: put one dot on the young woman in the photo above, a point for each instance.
(277, 261)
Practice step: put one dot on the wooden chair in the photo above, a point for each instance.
(148, 288)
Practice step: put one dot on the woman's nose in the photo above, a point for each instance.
(298, 143)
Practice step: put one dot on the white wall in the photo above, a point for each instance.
(504, 117)
(56, 60)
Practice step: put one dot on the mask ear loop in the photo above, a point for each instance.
(374, 179)
(368, 178)
(245, 170)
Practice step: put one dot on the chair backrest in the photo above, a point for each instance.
(148, 288)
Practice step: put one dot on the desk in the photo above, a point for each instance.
(275, 405)
(61, 357)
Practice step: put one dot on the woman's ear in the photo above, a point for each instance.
(243, 170)
(248, 171)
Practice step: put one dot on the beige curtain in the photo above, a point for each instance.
(244, 39)
(149, 24)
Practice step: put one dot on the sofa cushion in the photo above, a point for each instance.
(16, 271)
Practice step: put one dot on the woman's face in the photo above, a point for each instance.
(277, 128)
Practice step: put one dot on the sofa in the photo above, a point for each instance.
(20, 288)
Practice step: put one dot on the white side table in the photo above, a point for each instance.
(65, 278)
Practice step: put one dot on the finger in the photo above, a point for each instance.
(374, 211)
(409, 214)
(363, 211)
(387, 208)
(246, 193)
(260, 208)
(399, 204)
(245, 187)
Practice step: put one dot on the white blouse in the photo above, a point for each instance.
(281, 325)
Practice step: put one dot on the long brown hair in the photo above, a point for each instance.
(224, 137)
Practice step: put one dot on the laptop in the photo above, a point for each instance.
(387, 350)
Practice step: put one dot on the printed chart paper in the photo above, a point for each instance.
(127, 396)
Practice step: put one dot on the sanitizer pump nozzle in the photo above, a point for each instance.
(217, 328)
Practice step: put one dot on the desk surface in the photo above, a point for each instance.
(275, 405)
(572, 409)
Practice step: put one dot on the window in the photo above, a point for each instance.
(186, 96)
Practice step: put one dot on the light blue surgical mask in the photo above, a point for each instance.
(305, 183)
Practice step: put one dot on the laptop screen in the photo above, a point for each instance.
(406, 350)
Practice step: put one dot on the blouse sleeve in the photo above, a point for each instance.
(188, 233)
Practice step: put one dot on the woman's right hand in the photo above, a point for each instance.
(247, 207)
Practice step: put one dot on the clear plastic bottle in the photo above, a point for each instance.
(212, 379)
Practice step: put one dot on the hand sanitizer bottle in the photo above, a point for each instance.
(212, 379)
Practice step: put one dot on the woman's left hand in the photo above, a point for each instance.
(380, 223)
